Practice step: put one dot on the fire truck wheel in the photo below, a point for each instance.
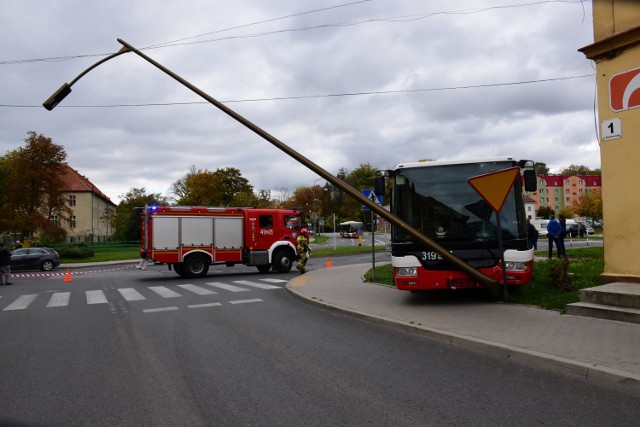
(264, 268)
(179, 268)
(196, 266)
(283, 261)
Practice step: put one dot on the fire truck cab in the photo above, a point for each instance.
(190, 239)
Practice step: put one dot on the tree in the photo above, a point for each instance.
(281, 197)
(360, 178)
(574, 170)
(589, 205)
(127, 217)
(545, 212)
(541, 168)
(32, 177)
(302, 198)
(206, 188)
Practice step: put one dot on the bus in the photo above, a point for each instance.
(350, 229)
(436, 199)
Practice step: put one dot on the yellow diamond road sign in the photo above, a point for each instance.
(494, 187)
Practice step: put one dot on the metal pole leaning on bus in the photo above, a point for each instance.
(491, 284)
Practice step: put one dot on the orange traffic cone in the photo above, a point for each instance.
(67, 277)
(328, 262)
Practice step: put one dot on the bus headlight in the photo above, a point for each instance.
(406, 271)
(515, 266)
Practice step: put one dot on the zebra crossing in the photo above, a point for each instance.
(132, 295)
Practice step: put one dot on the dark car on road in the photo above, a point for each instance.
(46, 259)
(576, 230)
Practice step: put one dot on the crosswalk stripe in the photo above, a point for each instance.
(256, 284)
(131, 294)
(226, 287)
(274, 280)
(245, 301)
(164, 292)
(211, 304)
(96, 297)
(155, 310)
(59, 299)
(22, 302)
(197, 289)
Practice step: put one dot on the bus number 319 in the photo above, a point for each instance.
(431, 256)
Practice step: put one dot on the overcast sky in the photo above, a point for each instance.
(343, 83)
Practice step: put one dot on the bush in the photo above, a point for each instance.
(75, 252)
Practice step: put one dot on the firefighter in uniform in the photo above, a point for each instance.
(303, 250)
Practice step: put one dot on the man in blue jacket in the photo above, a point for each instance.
(554, 232)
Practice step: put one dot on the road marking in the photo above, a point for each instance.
(131, 294)
(96, 297)
(197, 289)
(59, 299)
(299, 281)
(211, 304)
(22, 302)
(155, 310)
(226, 287)
(256, 284)
(245, 301)
(274, 280)
(164, 292)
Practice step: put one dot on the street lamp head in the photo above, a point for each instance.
(58, 96)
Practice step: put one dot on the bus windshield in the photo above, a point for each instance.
(438, 201)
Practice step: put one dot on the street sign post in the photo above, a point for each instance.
(494, 188)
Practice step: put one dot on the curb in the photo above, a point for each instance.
(594, 374)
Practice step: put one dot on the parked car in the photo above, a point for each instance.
(578, 229)
(588, 226)
(46, 259)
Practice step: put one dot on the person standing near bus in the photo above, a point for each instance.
(554, 231)
(563, 235)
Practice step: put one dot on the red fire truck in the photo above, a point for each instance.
(189, 239)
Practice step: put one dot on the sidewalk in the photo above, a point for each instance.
(597, 350)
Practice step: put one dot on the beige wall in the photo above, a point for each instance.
(89, 212)
(616, 49)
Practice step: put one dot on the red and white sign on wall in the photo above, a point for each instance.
(624, 90)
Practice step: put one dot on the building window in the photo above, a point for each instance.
(72, 200)
(72, 221)
(54, 219)
(567, 191)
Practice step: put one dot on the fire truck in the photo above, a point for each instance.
(190, 239)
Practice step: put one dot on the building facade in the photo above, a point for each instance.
(560, 191)
(91, 210)
(616, 53)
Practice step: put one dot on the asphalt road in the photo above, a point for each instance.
(235, 348)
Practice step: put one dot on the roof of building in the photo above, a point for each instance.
(558, 180)
(76, 183)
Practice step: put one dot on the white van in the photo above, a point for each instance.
(540, 225)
